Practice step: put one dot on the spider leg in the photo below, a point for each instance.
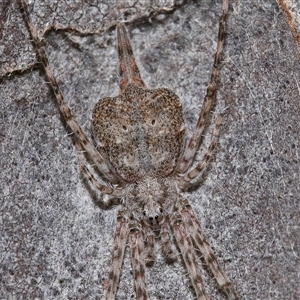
(103, 165)
(165, 237)
(192, 147)
(185, 245)
(136, 241)
(104, 189)
(150, 238)
(193, 226)
(120, 238)
(185, 180)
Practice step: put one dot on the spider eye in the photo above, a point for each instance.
(144, 213)
(153, 122)
(161, 210)
(156, 217)
(124, 127)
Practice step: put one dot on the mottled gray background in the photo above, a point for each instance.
(55, 241)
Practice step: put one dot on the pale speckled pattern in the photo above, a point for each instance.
(56, 243)
(141, 152)
(141, 132)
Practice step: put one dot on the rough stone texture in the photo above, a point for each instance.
(55, 240)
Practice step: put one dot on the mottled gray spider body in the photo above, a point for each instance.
(140, 150)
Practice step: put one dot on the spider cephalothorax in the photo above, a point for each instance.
(151, 198)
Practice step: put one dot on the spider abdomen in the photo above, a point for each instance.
(141, 132)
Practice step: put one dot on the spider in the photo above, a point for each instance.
(139, 148)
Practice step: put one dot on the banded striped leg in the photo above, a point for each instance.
(120, 240)
(136, 241)
(167, 250)
(209, 100)
(193, 226)
(205, 161)
(102, 164)
(104, 189)
(149, 251)
(185, 245)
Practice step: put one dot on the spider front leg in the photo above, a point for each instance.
(165, 236)
(149, 250)
(192, 147)
(136, 242)
(197, 235)
(187, 250)
(120, 239)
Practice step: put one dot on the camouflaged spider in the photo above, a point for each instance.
(139, 148)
